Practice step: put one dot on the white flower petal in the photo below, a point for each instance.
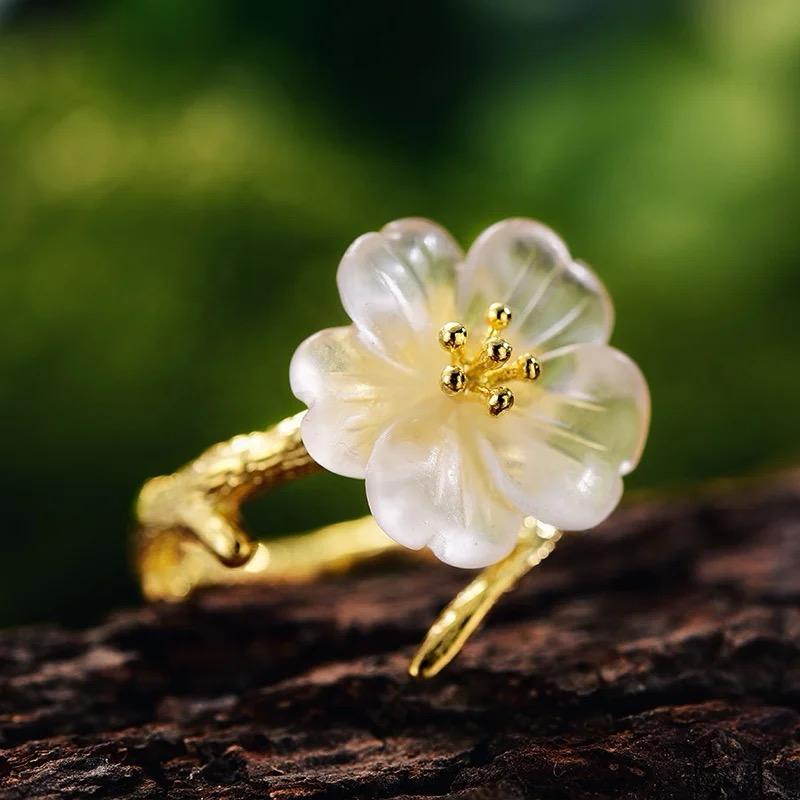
(561, 451)
(597, 393)
(555, 301)
(351, 394)
(428, 485)
(398, 286)
(556, 488)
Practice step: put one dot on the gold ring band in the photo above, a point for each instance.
(189, 535)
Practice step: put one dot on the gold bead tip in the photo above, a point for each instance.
(500, 400)
(530, 368)
(452, 336)
(498, 350)
(454, 380)
(498, 316)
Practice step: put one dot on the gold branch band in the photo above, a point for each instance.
(190, 535)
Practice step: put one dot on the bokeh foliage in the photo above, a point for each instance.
(179, 180)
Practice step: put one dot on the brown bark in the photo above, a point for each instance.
(654, 658)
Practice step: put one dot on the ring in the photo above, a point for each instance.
(477, 397)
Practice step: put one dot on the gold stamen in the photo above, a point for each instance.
(498, 316)
(453, 380)
(500, 400)
(498, 350)
(529, 367)
(482, 375)
(452, 336)
(494, 353)
(524, 368)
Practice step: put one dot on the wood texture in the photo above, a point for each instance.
(658, 657)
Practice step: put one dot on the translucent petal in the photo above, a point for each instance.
(560, 453)
(398, 286)
(428, 485)
(351, 394)
(555, 301)
(598, 394)
(554, 487)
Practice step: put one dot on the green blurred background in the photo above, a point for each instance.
(178, 180)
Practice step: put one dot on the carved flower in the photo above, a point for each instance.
(472, 391)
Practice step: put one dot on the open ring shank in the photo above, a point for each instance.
(189, 535)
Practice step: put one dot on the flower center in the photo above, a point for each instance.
(483, 374)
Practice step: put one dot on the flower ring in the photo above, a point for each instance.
(472, 391)
(478, 397)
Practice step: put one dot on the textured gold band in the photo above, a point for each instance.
(189, 535)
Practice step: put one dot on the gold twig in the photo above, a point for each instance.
(190, 535)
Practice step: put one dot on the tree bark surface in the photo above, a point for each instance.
(657, 657)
